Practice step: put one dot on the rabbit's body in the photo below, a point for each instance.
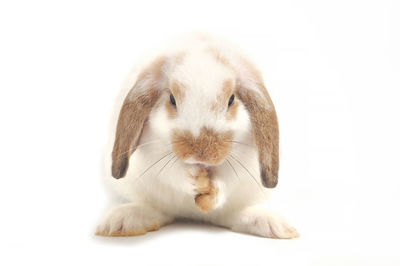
(195, 152)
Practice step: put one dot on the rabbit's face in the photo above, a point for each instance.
(199, 103)
(199, 112)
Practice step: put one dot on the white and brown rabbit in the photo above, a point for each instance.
(196, 137)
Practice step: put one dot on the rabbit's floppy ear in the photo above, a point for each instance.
(134, 112)
(265, 130)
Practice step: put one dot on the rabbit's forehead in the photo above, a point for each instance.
(201, 79)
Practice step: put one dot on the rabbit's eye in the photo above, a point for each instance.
(231, 100)
(172, 99)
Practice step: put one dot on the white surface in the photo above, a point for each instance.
(332, 69)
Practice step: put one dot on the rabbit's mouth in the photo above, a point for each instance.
(196, 170)
(208, 148)
(192, 161)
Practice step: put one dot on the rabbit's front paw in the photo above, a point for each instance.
(265, 223)
(209, 191)
(130, 220)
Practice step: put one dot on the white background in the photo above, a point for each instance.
(332, 69)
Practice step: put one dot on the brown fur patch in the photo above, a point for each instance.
(134, 112)
(221, 102)
(218, 56)
(265, 125)
(245, 63)
(153, 72)
(233, 111)
(206, 201)
(206, 197)
(178, 90)
(265, 131)
(227, 88)
(203, 181)
(209, 147)
(171, 110)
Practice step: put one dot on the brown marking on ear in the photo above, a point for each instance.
(209, 147)
(265, 124)
(134, 112)
(251, 69)
(265, 131)
(131, 119)
(153, 73)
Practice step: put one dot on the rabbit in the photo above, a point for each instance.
(195, 136)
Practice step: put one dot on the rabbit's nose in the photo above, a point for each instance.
(209, 148)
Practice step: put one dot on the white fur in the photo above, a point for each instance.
(166, 191)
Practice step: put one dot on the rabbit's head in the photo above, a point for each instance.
(199, 103)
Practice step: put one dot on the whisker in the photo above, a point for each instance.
(250, 156)
(238, 142)
(141, 175)
(148, 168)
(162, 168)
(173, 163)
(148, 143)
(159, 172)
(180, 141)
(247, 170)
(143, 144)
(233, 169)
(137, 147)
